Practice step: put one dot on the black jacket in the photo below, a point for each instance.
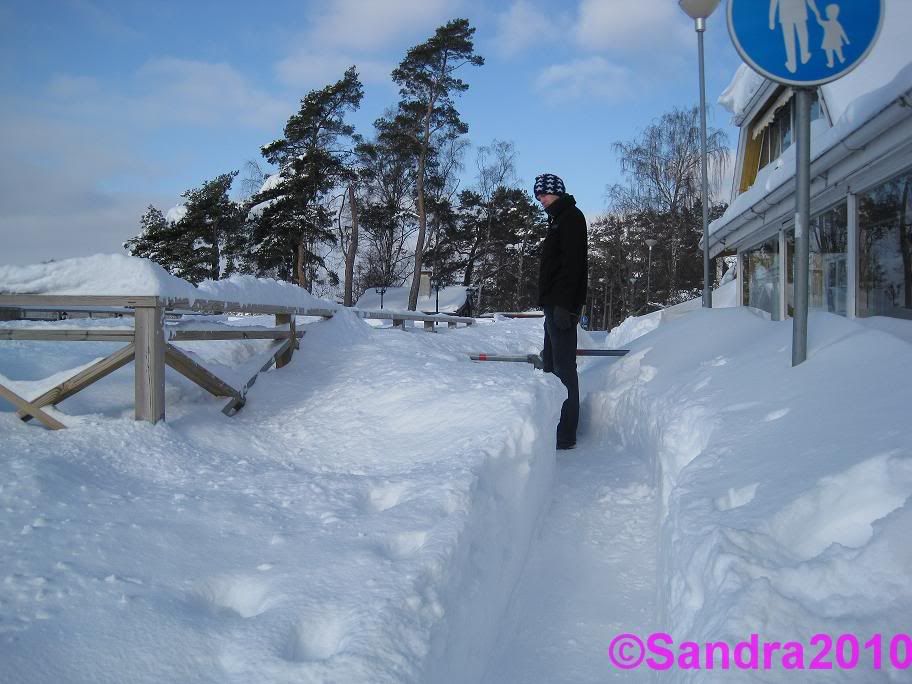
(564, 271)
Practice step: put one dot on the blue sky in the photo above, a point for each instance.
(111, 105)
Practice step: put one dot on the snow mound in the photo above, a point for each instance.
(121, 275)
(632, 328)
(744, 85)
(396, 299)
(784, 507)
(101, 274)
(247, 289)
(363, 519)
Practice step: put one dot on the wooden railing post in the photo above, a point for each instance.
(285, 358)
(150, 363)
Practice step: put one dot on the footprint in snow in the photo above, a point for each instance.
(241, 594)
(403, 545)
(384, 496)
(316, 639)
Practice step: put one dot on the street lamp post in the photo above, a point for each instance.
(380, 291)
(699, 11)
(649, 243)
(436, 285)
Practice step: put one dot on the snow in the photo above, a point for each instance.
(888, 57)
(277, 545)
(385, 510)
(823, 139)
(120, 275)
(637, 326)
(784, 500)
(396, 299)
(886, 60)
(739, 92)
(271, 183)
(175, 214)
(101, 274)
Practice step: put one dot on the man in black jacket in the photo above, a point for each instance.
(562, 283)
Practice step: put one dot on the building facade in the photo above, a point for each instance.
(861, 192)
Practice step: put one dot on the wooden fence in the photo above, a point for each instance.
(149, 346)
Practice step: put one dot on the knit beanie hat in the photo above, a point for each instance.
(549, 184)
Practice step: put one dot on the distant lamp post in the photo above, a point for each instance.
(649, 243)
(699, 11)
(380, 291)
(435, 283)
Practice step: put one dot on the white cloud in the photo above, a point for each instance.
(168, 91)
(522, 26)
(203, 93)
(592, 77)
(52, 200)
(358, 32)
(76, 174)
(632, 25)
(371, 24)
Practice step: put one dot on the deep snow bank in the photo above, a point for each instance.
(121, 275)
(363, 519)
(785, 491)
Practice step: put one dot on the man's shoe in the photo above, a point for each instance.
(562, 446)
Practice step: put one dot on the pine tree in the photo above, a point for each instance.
(294, 217)
(159, 241)
(426, 111)
(194, 246)
(514, 228)
(209, 225)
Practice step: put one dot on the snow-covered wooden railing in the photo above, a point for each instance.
(149, 346)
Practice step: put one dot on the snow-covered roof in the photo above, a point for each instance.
(739, 93)
(888, 57)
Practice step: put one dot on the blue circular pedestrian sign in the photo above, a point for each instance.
(804, 42)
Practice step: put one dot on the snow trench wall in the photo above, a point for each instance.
(509, 494)
(785, 492)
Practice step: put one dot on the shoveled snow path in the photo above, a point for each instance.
(591, 571)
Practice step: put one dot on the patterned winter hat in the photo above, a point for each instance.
(549, 184)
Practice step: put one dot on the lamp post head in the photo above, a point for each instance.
(651, 243)
(698, 9)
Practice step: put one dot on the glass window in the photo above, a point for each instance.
(761, 277)
(885, 249)
(828, 274)
(768, 143)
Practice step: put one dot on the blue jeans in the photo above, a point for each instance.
(559, 357)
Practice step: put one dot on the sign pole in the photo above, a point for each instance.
(803, 44)
(707, 283)
(802, 223)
